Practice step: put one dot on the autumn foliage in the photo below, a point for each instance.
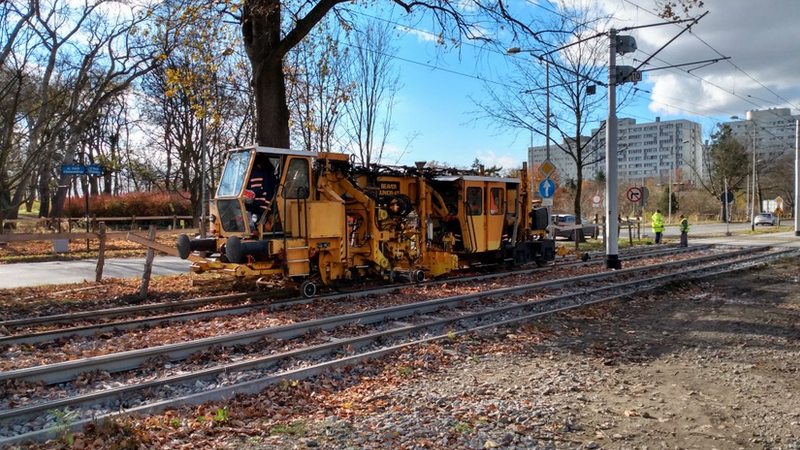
(140, 204)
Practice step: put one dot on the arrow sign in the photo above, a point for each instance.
(547, 188)
(634, 194)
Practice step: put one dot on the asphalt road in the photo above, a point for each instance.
(62, 272)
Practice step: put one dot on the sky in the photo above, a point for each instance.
(436, 117)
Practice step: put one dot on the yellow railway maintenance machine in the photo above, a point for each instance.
(316, 218)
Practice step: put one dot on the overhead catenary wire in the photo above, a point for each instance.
(696, 36)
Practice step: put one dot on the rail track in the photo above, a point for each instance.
(308, 348)
(39, 329)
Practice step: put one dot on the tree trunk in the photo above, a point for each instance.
(44, 189)
(272, 118)
(261, 30)
(63, 182)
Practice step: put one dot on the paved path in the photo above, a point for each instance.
(62, 272)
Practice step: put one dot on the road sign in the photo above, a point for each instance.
(547, 168)
(726, 195)
(94, 169)
(80, 169)
(596, 199)
(779, 202)
(634, 194)
(72, 169)
(547, 188)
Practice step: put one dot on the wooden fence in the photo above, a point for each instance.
(95, 221)
(102, 235)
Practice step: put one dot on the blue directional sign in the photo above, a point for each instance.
(80, 169)
(94, 169)
(547, 188)
(73, 169)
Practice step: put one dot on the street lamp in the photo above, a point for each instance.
(204, 201)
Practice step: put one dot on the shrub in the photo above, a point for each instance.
(133, 204)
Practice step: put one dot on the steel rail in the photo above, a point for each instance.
(570, 298)
(543, 307)
(88, 330)
(128, 360)
(188, 303)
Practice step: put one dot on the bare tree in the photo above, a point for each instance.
(272, 27)
(116, 50)
(575, 102)
(727, 163)
(318, 88)
(375, 84)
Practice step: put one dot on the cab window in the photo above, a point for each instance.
(496, 201)
(232, 181)
(474, 201)
(296, 183)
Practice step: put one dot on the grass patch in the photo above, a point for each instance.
(596, 245)
(462, 428)
(293, 429)
(769, 230)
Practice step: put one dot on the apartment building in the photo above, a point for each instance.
(646, 151)
(771, 130)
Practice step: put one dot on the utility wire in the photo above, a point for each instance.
(720, 54)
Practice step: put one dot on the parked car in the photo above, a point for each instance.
(568, 222)
(765, 218)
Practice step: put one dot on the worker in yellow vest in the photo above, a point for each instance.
(684, 231)
(657, 222)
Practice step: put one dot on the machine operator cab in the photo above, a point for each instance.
(254, 182)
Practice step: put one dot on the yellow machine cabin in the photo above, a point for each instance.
(316, 218)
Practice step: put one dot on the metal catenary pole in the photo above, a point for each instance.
(612, 244)
(796, 178)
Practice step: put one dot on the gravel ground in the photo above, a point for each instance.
(705, 365)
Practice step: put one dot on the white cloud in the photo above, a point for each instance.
(490, 158)
(762, 39)
(422, 36)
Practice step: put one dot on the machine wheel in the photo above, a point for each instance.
(419, 276)
(308, 288)
(522, 254)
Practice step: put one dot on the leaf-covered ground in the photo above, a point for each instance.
(706, 365)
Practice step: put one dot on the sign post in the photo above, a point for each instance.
(87, 170)
(547, 187)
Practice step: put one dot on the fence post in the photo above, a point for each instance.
(101, 252)
(133, 223)
(630, 232)
(638, 228)
(148, 264)
(174, 221)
